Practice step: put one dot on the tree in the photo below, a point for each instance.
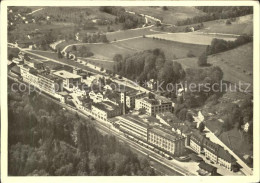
(228, 22)
(202, 61)
(158, 24)
(189, 117)
(118, 58)
(165, 8)
(151, 95)
(201, 127)
(141, 111)
(68, 55)
(59, 54)
(182, 114)
(74, 48)
(190, 54)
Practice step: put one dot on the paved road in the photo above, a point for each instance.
(111, 42)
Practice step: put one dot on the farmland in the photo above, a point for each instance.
(70, 14)
(170, 16)
(191, 37)
(170, 48)
(240, 25)
(111, 36)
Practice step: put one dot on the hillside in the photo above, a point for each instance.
(241, 25)
(170, 16)
(236, 64)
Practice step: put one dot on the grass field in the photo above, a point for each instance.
(191, 37)
(111, 36)
(237, 64)
(73, 13)
(242, 25)
(170, 48)
(52, 55)
(170, 16)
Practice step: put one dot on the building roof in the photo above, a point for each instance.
(133, 92)
(34, 61)
(113, 96)
(48, 76)
(169, 117)
(170, 135)
(211, 146)
(197, 137)
(16, 69)
(207, 167)
(156, 101)
(195, 157)
(66, 75)
(106, 106)
(136, 119)
(52, 65)
(224, 154)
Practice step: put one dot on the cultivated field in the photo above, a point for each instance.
(191, 37)
(170, 16)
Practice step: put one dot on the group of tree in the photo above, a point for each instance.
(220, 45)
(82, 51)
(12, 53)
(46, 140)
(94, 38)
(203, 60)
(202, 91)
(149, 64)
(128, 20)
(217, 12)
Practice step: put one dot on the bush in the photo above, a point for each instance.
(165, 8)
(228, 22)
(202, 61)
(190, 54)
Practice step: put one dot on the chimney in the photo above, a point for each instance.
(123, 101)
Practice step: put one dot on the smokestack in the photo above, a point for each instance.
(123, 101)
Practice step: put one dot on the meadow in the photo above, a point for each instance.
(170, 16)
(242, 25)
(170, 48)
(191, 37)
(236, 64)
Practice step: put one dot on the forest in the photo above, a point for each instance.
(149, 64)
(129, 21)
(43, 139)
(217, 12)
(220, 45)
